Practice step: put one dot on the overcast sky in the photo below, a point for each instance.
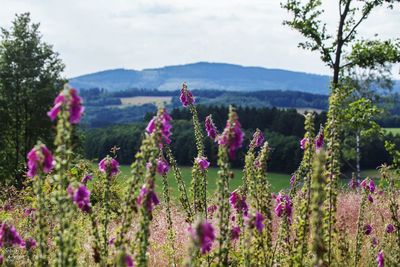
(94, 35)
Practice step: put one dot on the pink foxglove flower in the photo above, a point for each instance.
(148, 197)
(30, 243)
(283, 206)
(390, 228)
(81, 197)
(9, 236)
(109, 164)
(71, 100)
(165, 127)
(380, 259)
(186, 96)
(232, 137)
(39, 157)
(367, 229)
(258, 139)
(210, 128)
(319, 142)
(162, 166)
(86, 178)
(303, 143)
(235, 232)
(203, 163)
(203, 236)
(128, 261)
(239, 203)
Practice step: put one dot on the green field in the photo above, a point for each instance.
(278, 181)
(395, 131)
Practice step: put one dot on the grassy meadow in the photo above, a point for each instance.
(394, 131)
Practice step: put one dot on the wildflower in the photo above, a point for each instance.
(258, 139)
(70, 99)
(87, 177)
(284, 205)
(203, 163)
(367, 229)
(353, 184)
(109, 164)
(111, 241)
(148, 197)
(128, 261)
(374, 241)
(9, 236)
(186, 96)
(8, 207)
(30, 243)
(259, 222)
(166, 127)
(319, 142)
(29, 211)
(211, 209)
(39, 156)
(380, 260)
(204, 236)
(370, 199)
(390, 228)
(210, 128)
(235, 232)
(81, 197)
(232, 137)
(368, 185)
(238, 202)
(303, 143)
(162, 166)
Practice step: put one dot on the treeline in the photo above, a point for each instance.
(283, 130)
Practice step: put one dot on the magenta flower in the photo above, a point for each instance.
(210, 128)
(111, 241)
(203, 163)
(147, 197)
(239, 203)
(186, 96)
(235, 232)
(232, 137)
(292, 180)
(39, 157)
(367, 229)
(29, 211)
(211, 209)
(72, 101)
(284, 205)
(303, 143)
(258, 139)
(9, 236)
(390, 228)
(319, 142)
(259, 222)
(165, 127)
(87, 177)
(204, 236)
(81, 197)
(353, 184)
(368, 185)
(370, 199)
(30, 243)
(162, 166)
(109, 165)
(128, 261)
(380, 259)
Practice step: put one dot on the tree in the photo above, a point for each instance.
(30, 77)
(345, 53)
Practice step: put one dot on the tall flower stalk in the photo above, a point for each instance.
(230, 140)
(199, 173)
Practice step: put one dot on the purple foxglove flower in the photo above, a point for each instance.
(28, 211)
(371, 186)
(30, 243)
(353, 184)
(259, 222)
(9, 236)
(239, 203)
(303, 143)
(370, 199)
(162, 166)
(232, 137)
(87, 177)
(128, 261)
(81, 197)
(211, 209)
(186, 96)
(210, 128)
(206, 236)
(258, 139)
(72, 101)
(40, 155)
(284, 205)
(380, 259)
(111, 241)
(235, 232)
(147, 197)
(319, 142)
(374, 241)
(367, 229)
(166, 127)
(390, 228)
(203, 163)
(109, 164)
(151, 126)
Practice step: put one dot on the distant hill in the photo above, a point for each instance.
(205, 75)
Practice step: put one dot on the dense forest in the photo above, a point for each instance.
(283, 130)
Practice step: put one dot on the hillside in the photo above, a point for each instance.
(204, 75)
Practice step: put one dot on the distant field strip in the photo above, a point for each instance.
(393, 130)
(159, 101)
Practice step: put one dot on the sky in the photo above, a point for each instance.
(95, 35)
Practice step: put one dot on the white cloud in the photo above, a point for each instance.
(94, 35)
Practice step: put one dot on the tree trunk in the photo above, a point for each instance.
(358, 155)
